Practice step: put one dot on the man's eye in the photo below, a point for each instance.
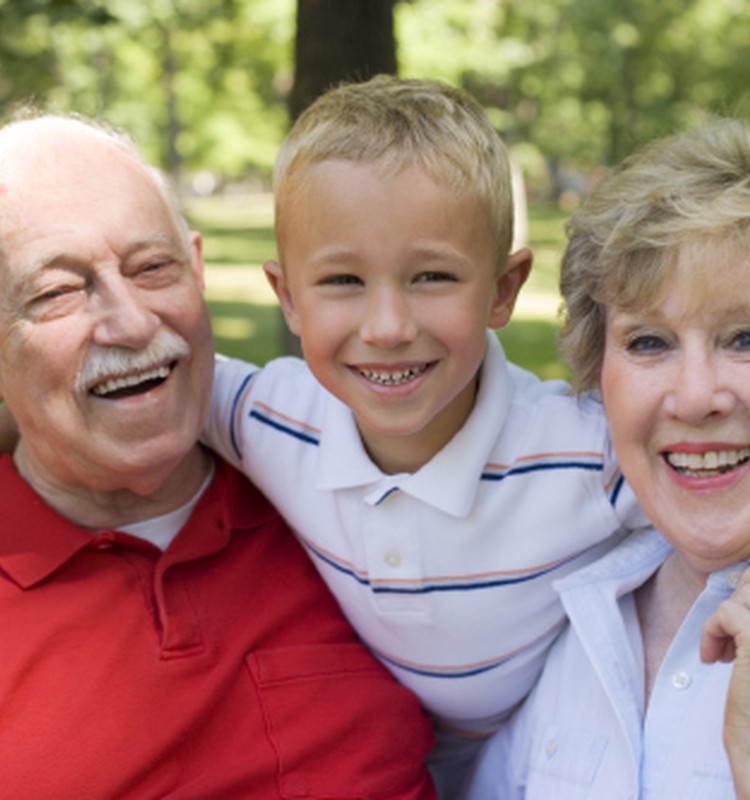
(49, 295)
(55, 302)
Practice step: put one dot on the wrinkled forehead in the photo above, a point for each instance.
(79, 181)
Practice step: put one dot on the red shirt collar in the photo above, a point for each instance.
(35, 540)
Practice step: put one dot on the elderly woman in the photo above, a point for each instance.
(656, 281)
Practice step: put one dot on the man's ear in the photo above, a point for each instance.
(8, 430)
(276, 278)
(507, 286)
(196, 259)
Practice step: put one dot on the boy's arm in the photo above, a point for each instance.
(222, 431)
(8, 430)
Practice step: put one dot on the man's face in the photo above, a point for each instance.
(106, 355)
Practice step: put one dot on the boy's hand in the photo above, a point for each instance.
(726, 637)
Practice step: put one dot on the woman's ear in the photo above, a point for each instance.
(507, 286)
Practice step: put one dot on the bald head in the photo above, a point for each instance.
(98, 267)
(57, 151)
(30, 147)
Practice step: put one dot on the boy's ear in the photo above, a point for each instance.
(275, 275)
(507, 286)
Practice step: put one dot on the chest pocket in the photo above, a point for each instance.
(565, 763)
(341, 726)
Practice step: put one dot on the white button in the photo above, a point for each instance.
(393, 558)
(681, 679)
(550, 748)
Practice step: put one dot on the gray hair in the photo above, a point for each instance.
(677, 192)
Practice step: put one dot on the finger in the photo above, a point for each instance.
(730, 620)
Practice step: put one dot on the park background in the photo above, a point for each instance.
(208, 88)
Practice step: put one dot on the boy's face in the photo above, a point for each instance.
(391, 282)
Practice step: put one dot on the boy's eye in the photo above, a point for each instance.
(341, 280)
(434, 276)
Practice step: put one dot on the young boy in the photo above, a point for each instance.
(439, 489)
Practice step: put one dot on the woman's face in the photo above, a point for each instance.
(676, 387)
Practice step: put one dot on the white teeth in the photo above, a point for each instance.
(393, 378)
(126, 381)
(711, 461)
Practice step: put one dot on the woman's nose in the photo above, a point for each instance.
(699, 388)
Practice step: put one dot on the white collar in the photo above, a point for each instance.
(450, 480)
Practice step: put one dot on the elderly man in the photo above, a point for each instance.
(162, 634)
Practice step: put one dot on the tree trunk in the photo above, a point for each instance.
(338, 40)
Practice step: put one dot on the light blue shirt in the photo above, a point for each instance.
(583, 733)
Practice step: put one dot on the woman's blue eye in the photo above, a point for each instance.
(741, 340)
(645, 343)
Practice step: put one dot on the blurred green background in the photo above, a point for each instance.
(238, 237)
(208, 89)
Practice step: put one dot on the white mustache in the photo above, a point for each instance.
(103, 363)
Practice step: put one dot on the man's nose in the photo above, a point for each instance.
(123, 317)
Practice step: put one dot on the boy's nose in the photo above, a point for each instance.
(388, 320)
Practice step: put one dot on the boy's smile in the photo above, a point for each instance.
(391, 281)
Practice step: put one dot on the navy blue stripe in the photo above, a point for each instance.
(619, 483)
(429, 589)
(235, 402)
(466, 673)
(387, 494)
(305, 437)
(492, 476)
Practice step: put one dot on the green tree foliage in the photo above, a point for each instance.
(584, 82)
(201, 85)
(571, 84)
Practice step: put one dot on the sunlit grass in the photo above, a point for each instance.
(238, 238)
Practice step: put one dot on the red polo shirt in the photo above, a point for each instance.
(218, 669)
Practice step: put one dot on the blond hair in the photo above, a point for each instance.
(680, 191)
(394, 123)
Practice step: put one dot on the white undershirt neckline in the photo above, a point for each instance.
(161, 530)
